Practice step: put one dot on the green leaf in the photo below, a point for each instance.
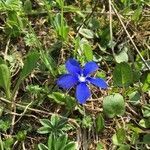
(42, 147)
(61, 142)
(15, 23)
(134, 97)
(123, 75)
(1, 144)
(100, 123)
(45, 122)
(71, 146)
(62, 125)
(101, 74)
(136, 75)
(114, 105)
(87, 122)
(94, 23)
(58, 97)
(65, 31)
(63, 99)
(55, 125)
(8, 143)
(13, 4)
(137, 14)
(100, 146)
(88, 52)
(119, 137)
(47, 126)
(60, 2)
(51, 142)
(21, 135)
(30, 39)
(115, 140)
(44, 130)
(49, 63)
(146, 110)
(122, 56)
(86, 33)
(134, 128)
(5, 79)
(145, 123)
(35, 89)
(134, 138)
(104, 35)
(2, 61)
(4, 125)
(146, 139)
(27, 6)
(146, 83)
(124, 147)
(61, 26)
(29, 64)
(55, 120)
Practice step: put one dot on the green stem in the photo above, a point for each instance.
(16, 88)
(8, 94)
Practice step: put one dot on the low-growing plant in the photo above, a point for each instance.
(58, 139)
(58, 143)
(55, 125)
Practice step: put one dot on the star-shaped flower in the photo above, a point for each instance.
(80, 77)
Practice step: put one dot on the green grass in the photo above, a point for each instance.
(36, 39)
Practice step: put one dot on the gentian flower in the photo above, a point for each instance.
(80, 77)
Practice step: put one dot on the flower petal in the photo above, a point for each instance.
(98, 82)
(73, 66)
(82, 93)
(67, 81)
(89, 68)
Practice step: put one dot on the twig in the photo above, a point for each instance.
(131, 110)
(148, 67)
(13, 106)
(87, 18)
(23, 146)
(22, 114)
(73, 121)
(13, 119)
(6, 49)
(110, 28)
(13, 113)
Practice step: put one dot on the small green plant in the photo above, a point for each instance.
(5, 80)
(114, 105)
(58, 143)
(55, 126)
(6, 144)
(59, 22)
(58, 139)
(15, 23)
(63, 99)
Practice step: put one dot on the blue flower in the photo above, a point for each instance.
(80, 77)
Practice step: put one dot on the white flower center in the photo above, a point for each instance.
(82, 79)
